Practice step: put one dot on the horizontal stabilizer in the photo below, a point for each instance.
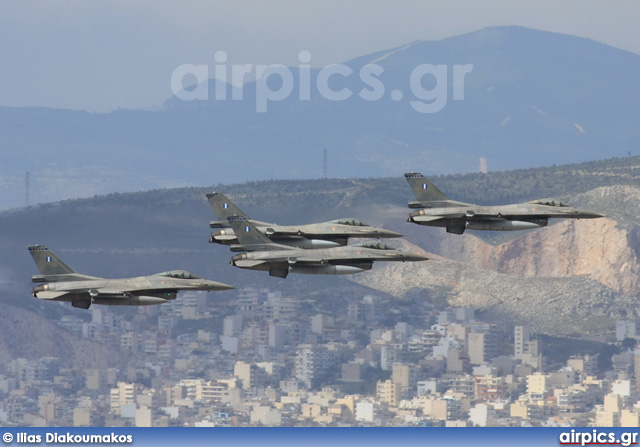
(428, 218)
(50, 295)
(248, 263)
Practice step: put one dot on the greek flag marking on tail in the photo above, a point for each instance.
(225, 206)
(425, 186)
(247, 229)
(49, 259)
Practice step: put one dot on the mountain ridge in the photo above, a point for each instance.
(533, 98)
(586, 269)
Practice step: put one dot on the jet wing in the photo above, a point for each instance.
(107, 291)
(131, 290)
(308, 260)
(113, 294)
(506, 216)
(249, 263)
(415, 217)
(461, 216)
(487, 216)
(270, 231)
(470, 214)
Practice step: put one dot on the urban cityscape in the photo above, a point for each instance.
(265, 359)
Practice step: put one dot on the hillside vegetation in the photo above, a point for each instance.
(568, 276)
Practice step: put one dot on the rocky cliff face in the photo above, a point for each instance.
(603, 249)
(598, 249)
(573, 276)
(551, 305)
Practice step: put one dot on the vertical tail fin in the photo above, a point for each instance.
(248, 235)
(223, 207)
(47, 262)
(423, 189)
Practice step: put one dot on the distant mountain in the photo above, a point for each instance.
(533, 98)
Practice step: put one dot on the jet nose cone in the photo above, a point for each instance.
(389, 234)
(215, 285)
(589, 215)
(415, 257)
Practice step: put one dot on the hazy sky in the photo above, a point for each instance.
(102, 55)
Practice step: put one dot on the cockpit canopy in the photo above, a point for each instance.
(548, 202)
(178, 274)
(352, 222)
(374, 245)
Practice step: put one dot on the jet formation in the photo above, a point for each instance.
(317, 249)
(61, 283)
(437, 210)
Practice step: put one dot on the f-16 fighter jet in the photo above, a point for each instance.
(61, 283)
(278, 259)
(437, 210)
(321, 235)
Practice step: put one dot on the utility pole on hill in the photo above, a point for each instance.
(324, 164)
(27, 199)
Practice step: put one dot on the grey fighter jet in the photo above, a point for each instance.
(437, 210)
(61, 283)
(279, 259)
(321, 235)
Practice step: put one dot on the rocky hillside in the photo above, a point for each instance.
(573, 276)
(557, 306)
(28, 335)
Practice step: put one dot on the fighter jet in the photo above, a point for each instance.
(279, 259)
(321, 235)
(437, 210)
(61, 283)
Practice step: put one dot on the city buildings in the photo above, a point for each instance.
(261, 360)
